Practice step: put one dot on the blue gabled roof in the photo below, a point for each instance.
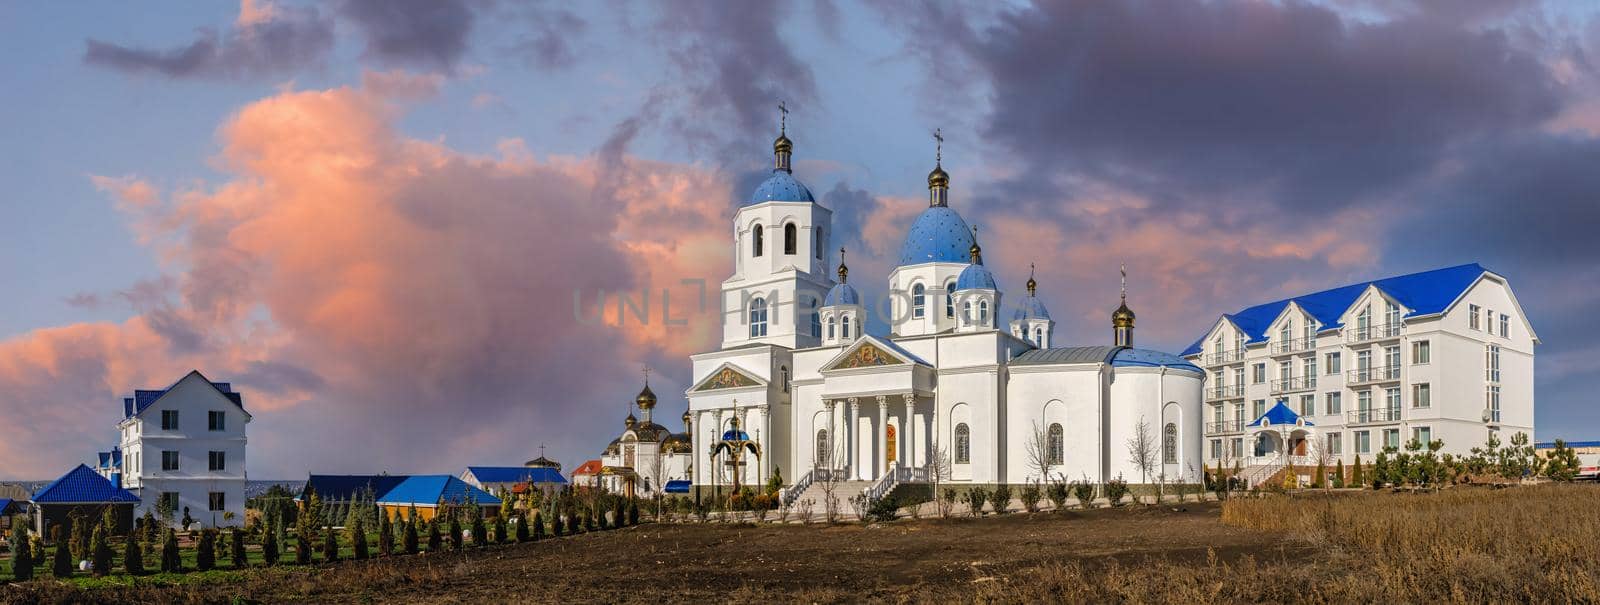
(1425, 293)
(1147, 358)
(432, 490)
(676, 486)
(133, 406)
(346, 487)
(82, 485)
(515, 474)
(1549, 445)
(1280, 414)
(5, 505)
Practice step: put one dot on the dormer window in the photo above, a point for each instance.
(169, 420)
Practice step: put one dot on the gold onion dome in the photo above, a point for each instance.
(687, 417)
(782, 144)
(1123, 316)
(630, 421)
(646, 398)
(938, 179)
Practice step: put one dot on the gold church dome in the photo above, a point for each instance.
(938, 179)
(646, 398)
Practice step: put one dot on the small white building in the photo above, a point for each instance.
(646, 456)
(185, 444)
(1441, 355)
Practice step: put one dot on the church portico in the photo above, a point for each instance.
(879, 430)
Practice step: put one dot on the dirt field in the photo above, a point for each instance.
(908, 560)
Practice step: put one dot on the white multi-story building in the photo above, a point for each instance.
(186, 445)
(1439, 355)
(799, 385)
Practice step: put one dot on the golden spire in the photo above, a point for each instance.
(1123, 317)
(782, 147)
(975, 252)
(1031, 284)
(844, 272)
(647, 398)
(938, 180)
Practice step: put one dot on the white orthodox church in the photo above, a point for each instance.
(800, 385)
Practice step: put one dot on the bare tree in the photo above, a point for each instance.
(1037, 446)
(939, 468)
(655, 471)
(1324, 458)
(1142, 449)
(827, 477)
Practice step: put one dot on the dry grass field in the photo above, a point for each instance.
(1538, 544)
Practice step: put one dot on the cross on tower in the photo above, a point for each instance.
(783, 118)
(1124, 284)
(938, 146)
(647, 375)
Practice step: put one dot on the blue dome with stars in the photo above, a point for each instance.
(780, 187)
(1031, 308)
(975, 277)
(938, 235)
(842, 294)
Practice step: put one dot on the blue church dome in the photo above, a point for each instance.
(842, 294)
(938, 235)
(975, 277)
(780, 187)
(1031, 308)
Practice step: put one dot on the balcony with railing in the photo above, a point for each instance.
(1293, 345)
(1225, 391)
(1372, 375)
(1372, 333)
(1224, 357)
(1224, 427)
(1373, 416)
(1293, 384)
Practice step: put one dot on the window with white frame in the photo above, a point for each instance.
(919, 301)
(1259, 407)
(1238, 376)
(216, 421)
(1332, 361)
(1488, 321)
(758, 237)
(1472, 317)
(1492, 402)
(1335, 444)
(1423, 435)
(966, 312)
(1491, 363)
(758, 317)
(1505, 325)
(1260, 373)
(791, 238)
(217, 460)
(1309, 371)
(1238, 446)
(1391, 438)
(218, 501)
(983, 312)
(1363, 442)
(1391, 400)
(1216, 449)
(844, 327)
(1333, 401)
(169, 420)
(950, 299)
(832, 324)
(1308, 404)
(1421, 395)
(1421, 352)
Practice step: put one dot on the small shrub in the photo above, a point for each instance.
(455, 533)
(205, 556)
(1057, 494)
(1030, 494)
(538, 526)
(358, 538)
(172, 562)
(522, 529)
(975, 499)
(883, 510)
(330, 545)
(1001, 499)
(947, 502)
(1084, 492)
(633, 513)
(1116, 490)
(480, 531)
(435, 541)
(385, 534)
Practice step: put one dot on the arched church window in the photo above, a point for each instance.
(758, 236)
(966, 312)
(823, 448)
(1057, 442)
(919, 301)
(950, 299)
(791, 238)
(1169, 444)
(816, 324)
(783, 375)
(1038, 336)
(832, 323)
(963, 444)
(758, 317)
(983, 312)
(845, 333)
(817, 249)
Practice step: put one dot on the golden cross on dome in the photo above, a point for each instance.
(1124, 284)
(938, 148)
(647, 375)
(783, 118)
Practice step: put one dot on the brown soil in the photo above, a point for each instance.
(904, 560)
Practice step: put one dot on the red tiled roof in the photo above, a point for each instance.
(589, 467)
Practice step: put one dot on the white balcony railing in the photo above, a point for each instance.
(1295, 345)
(1374, 374)
(1224, 357)
(1292, 384)
(1372, 416)
(1226, 391)
(1226, 426)
(1355, 334)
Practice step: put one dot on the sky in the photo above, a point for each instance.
(402, 228)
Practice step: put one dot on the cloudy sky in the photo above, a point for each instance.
(389, 223)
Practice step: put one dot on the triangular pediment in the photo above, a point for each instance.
(727, 376)
(867, 353)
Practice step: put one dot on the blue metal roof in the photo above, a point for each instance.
(1424, 293)
(842, 294)
(133, 406)
(1031, 308)
(5, 504)
(676, 486)
(1151, 359)
(938, 235)
(780, 187)
(730, 435)
(975, 277)
(1280, 414)
(516, 474)
(432, 490)
(347, 487)
(1549, 445)
(82, 485)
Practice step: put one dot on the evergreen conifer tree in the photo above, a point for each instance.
(1321, 476)
(1380, 469)
(385, 535)
(358, 537)
(409, 542)
(80, 537)
(205, 555)
(538, 526)
(455, 532)
(99, 552)
(269, 547)
(1338, 474)
(241, 559)
(132, 558)
(499, 530)
(38, 551)
(480, 532)
(633, 513)
(1356, 474)
(330, 545)
(435, 541)
(21, 554)
(62, 564)
(171, 561)
(619, 513)
(302, 541)
(522, 529)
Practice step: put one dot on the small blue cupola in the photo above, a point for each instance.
(842, 313)
(976, 294)
(1031, 321)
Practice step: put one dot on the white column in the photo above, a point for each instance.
(910, 458)
(850, 438)
(881, 464)
(833, 438)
